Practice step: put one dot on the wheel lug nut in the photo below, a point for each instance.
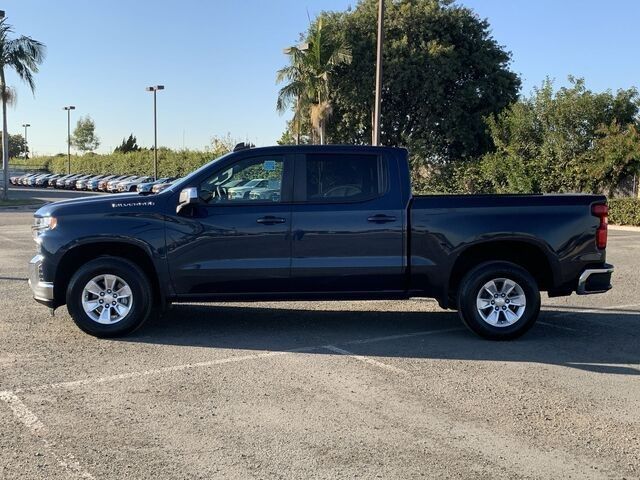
(504, 308)
(497, 308)
(102, 294)
(506, 301)
(492, 302)
(503, 295)
(495, 296)
(100, 301)
(115, 303)
(108, 291)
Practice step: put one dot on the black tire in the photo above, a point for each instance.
(474, 281)
(138, 282)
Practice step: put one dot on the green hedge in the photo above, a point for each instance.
(624, 211)
(170, 163)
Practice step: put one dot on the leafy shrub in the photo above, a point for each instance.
(624, 211)
(170, 162)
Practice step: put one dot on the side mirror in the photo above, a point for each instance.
(188, 196)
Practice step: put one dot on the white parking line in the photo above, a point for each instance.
(67, 461)
(566, 311)
(220, 361)
(364, 359)
(154, 371)
(29, 419)
(11, 240)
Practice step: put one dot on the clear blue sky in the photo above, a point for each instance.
(218, 60)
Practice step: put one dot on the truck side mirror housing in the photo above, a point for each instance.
(188, 196)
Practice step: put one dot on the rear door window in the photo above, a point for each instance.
(343, 178)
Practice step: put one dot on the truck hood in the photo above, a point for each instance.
(99, 203)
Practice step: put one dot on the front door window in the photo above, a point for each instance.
(251, 180)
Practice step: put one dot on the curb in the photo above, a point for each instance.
(624, 228)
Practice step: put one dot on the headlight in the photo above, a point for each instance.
(42, 224)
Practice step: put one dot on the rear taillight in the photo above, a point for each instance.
(602, 212)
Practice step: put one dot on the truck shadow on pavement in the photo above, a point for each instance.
(604, 342)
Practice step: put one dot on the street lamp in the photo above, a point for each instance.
(376, 119)
(155, 89)
(26, 125)
(68, 109)
(303, 47)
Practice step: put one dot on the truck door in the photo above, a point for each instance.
(347, 224)
(238, 240)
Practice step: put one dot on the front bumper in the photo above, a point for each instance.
(595, 280)
(42, 291)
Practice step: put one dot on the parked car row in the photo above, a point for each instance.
(102, 183)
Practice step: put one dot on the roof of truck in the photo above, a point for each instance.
(320, 149)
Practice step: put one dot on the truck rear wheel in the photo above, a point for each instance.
(498, 300)
(109, 297)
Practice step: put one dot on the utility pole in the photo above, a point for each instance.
(376, 120)
(68, 109)
(155, 89)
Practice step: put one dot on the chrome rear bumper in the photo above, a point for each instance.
(595, 280)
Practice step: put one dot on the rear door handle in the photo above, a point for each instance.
(380, 218)
(269, 220)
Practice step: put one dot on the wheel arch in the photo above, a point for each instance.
(531, 256)
(80, 254)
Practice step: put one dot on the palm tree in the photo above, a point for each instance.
(294, 92)
(23, 55)
(309, 74)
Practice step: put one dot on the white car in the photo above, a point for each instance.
(269, 192)
(239, 193)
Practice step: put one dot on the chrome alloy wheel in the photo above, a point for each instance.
(501, 302)
(107, 299)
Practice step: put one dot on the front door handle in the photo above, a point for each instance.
(381, 218)
(270, 220)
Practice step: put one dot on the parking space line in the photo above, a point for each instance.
(566, 311)
(11, 240)
(22, 413)
(154, 371)
(221, 361)
(29, 419)
(364, 359)
(401, 336)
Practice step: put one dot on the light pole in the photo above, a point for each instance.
(5, 144)
(155, 89)
(68, 109)
(376, 120)
(26, 147)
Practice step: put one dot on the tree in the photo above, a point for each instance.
(23, 55)
(443, 73)
(310, 74)
(569, 140)
(17, 146)
(128, 145)
(84, 136)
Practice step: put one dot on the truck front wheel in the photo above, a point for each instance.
(498, 300)
(109, 297)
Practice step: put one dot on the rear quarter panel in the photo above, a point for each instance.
(444, 226)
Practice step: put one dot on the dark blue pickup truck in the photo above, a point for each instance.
(316, 222)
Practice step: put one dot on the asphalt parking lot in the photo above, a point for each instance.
(320, 389)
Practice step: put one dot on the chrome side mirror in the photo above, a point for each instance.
(188, 196)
